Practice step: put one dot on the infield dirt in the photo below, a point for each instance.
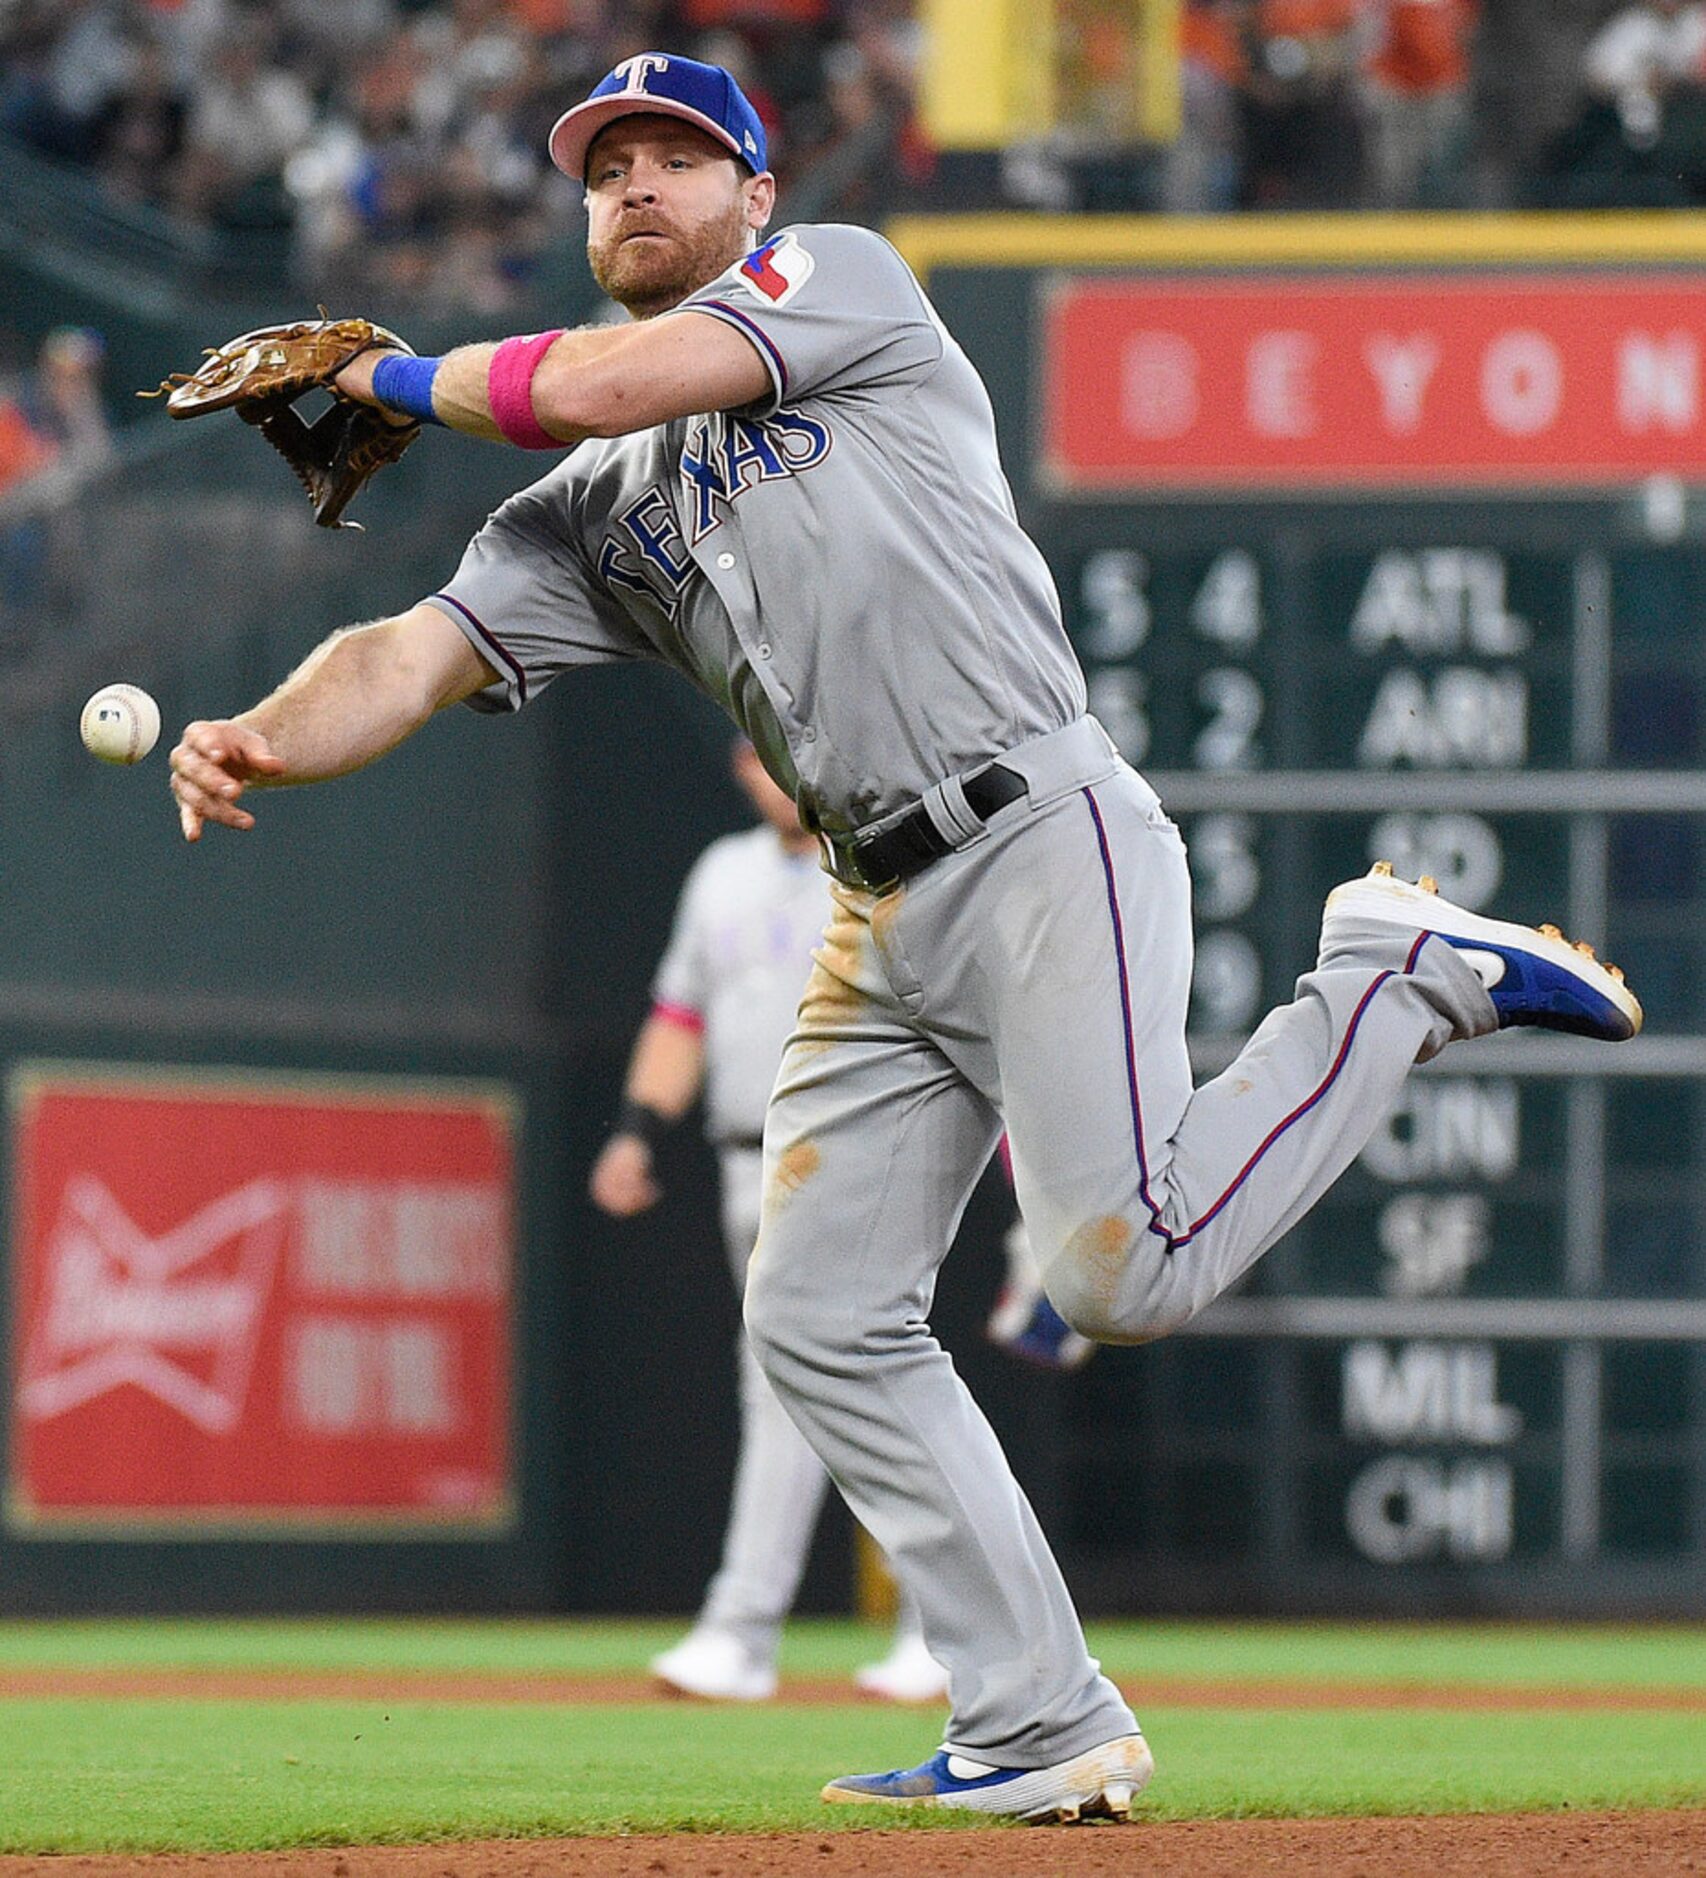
(1587, 1845)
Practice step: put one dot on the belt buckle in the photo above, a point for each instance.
(842, 859)
(866, 882)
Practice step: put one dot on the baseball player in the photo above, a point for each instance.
(784, 482)
(722, 1008)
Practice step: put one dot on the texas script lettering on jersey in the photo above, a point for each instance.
(724, 457)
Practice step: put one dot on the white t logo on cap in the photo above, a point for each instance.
(635, 71)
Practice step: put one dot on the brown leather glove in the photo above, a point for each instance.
(264, 373)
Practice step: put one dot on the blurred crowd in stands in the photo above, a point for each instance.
(1400, 104)
(397, 146)
(402, 142)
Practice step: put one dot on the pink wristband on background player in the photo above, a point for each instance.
(509, 386)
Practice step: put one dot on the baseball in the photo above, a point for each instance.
(120, 724)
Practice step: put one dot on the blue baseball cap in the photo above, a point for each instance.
(704, 95)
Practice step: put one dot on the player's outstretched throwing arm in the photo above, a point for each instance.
(357, 695)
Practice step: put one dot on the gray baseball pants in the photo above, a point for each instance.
(1039, 976)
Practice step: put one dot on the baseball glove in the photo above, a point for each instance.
(263, 374)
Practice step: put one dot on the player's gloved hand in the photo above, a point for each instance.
(265, 375)
(622, 1183)
(211, 766)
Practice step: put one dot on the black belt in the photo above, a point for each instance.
(884, 860)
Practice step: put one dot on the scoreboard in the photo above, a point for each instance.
(1450, 619)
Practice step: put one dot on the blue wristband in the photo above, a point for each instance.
(405, 384)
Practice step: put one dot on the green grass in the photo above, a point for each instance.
(85, 1775)
(77, 1777)
(1650, 1656)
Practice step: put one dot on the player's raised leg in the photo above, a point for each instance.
(1146, 1199)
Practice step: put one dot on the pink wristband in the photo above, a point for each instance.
(509, 386)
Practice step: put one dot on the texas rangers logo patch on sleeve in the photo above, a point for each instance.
(778, 270)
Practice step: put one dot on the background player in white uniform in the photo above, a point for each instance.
(788, 488)
(723, 1004)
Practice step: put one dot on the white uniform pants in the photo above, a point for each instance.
(779, 1482)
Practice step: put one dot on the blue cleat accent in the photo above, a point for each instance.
(1030, 1328)
(1098, 1784)
(1024, 1323)
(1533, 975)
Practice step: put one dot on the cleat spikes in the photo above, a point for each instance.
(1549, 931)
(1381, 870)
(1615, 971)
(1582, 946)
(1428, 884)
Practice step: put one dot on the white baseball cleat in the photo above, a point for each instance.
(1024, 1323)
(909, 1673)
(1534, 975)
(1098, 1784)
(716, 1667)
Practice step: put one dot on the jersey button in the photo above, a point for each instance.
(725, 560)
(808, 735)
(764, 652)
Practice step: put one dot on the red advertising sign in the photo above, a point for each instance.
(242, 1300)
(1298, 380)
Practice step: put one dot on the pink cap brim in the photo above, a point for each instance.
(572, 134)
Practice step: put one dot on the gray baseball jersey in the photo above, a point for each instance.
(749, 914)
(839, 566)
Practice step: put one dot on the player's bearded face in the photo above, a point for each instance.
(667, 211)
